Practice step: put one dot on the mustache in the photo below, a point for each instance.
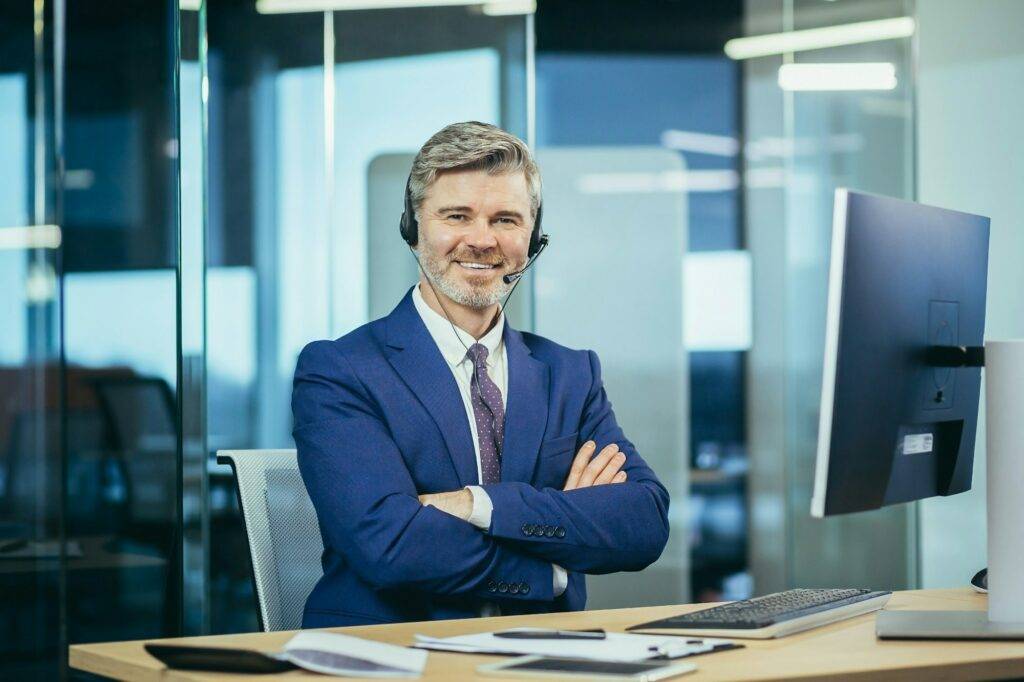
(495, 259)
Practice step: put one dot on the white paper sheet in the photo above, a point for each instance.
(616, 646)
(334, 654)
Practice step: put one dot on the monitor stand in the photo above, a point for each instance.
(1004, 420)
(944, 625)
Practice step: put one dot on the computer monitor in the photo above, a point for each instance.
(903, 353)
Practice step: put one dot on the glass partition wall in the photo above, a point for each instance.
(804, 138)
(31, 396)
(90, 356)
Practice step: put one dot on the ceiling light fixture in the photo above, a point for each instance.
(862, 76)
(491, 7)
(819, 38)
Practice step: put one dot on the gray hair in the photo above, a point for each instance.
(473, 146)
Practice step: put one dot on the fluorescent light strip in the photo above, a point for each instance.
(295, 6)
(656, 182)
(818, 38)
(864, 76)
(490, 7)
(505, 8)
(30, 237)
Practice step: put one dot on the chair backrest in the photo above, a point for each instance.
(284, 536)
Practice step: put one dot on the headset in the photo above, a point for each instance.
(409, 228)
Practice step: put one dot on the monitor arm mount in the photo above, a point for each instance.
(956, 356)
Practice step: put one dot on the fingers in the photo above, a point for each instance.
(579, 463)
(611, 470)
(619, 477)
(597, 465)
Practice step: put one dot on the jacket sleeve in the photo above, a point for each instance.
(600, 529)
(366, 501)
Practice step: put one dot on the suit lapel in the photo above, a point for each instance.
(422, 367)
(526, 409)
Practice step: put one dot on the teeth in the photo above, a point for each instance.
(476, 266)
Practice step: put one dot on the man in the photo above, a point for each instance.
(459, 467)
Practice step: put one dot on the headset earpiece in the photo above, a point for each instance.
(408, 227)
(537, 236)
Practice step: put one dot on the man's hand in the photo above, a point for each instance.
(602, 469)
(458, 503)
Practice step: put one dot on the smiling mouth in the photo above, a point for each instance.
(477, 267)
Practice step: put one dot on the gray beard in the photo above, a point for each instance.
(477, 297)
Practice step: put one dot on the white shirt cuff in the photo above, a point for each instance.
(482, 507)
(561, 580)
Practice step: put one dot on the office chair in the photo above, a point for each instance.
(283, 533)
(141, 418)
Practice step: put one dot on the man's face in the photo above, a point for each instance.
(474, 228)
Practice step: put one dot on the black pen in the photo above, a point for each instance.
(551, 634)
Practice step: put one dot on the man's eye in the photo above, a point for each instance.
(458, 217)
(507, 221)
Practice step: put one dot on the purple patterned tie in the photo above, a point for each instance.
(489, 413)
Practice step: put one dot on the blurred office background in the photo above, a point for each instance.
(191, 191)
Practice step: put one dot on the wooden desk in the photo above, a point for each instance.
(846, 650)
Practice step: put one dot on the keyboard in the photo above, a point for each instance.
(773, 615)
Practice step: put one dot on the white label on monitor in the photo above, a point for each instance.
(917, 443)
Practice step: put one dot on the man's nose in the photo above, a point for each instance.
(481, 236)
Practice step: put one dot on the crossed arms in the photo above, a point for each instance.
(371, 512)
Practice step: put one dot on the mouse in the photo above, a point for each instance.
(980, 581)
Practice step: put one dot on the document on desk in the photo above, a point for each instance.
(615, 646)
(335, 654)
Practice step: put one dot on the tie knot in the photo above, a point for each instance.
(478, 353)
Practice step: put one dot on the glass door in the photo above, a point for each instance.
(32, 548)
(91, 352)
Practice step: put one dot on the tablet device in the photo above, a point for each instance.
(182, 657)
(544, 666)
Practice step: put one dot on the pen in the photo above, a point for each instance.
(551, 634)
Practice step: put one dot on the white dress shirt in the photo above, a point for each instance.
(453, 345)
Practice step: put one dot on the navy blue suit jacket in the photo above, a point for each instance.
(379, 420)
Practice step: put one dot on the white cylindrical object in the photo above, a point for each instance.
(1004, 438)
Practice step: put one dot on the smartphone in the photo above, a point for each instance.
(545, 666)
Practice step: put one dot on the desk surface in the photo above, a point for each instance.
(845, 650)
(97, 555)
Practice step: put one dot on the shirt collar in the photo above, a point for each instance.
(451, 348)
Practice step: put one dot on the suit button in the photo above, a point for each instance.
(513, 588)
(502, 587)
(560, 532)
(549, 531)
(524, 589)
(492, 586)
(527, 529)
